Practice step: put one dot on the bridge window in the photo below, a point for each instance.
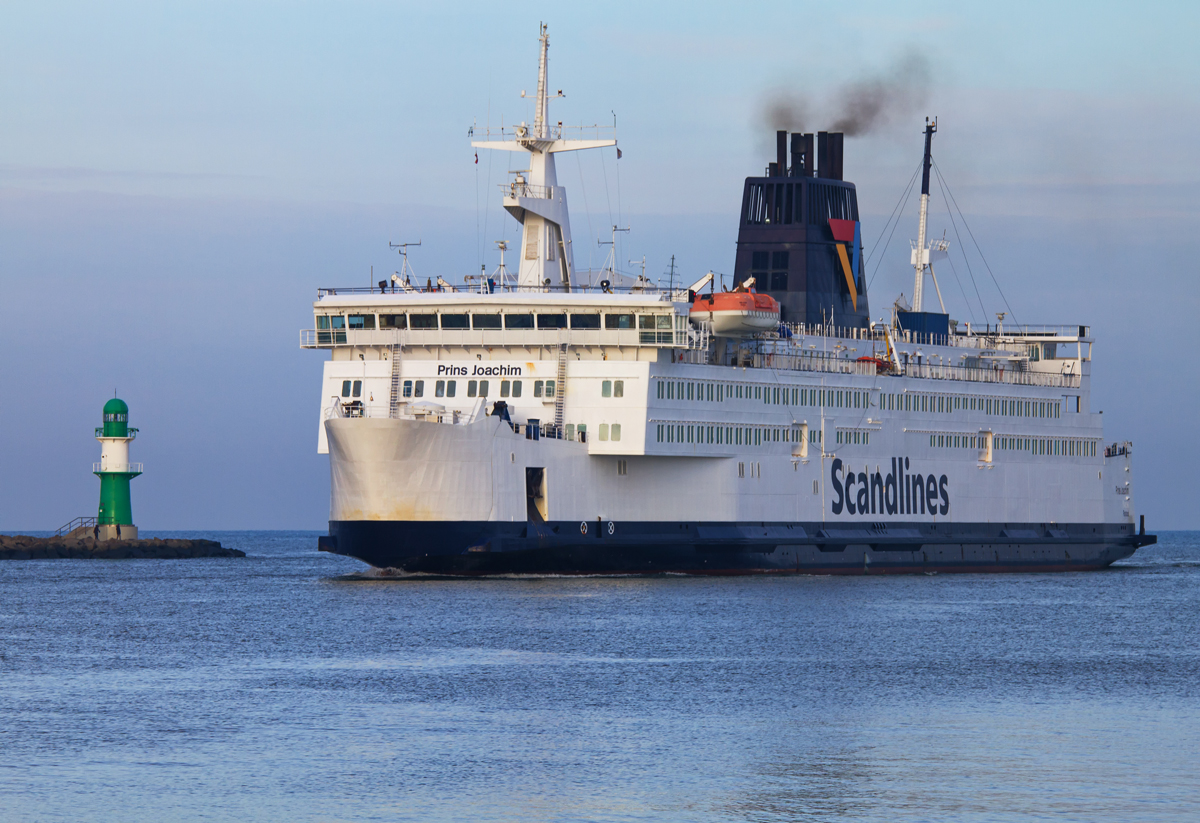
(455, 321)
(393, 321)
(485, 321)
(422, 321)
(362, 321)
(518, 321)
(585, 321)
(618, 321)
(551, 321)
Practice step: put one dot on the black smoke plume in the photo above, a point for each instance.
(859, 107)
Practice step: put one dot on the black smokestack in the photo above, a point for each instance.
(781, 153)
(834, 172)
(822, 153)
(802, 155)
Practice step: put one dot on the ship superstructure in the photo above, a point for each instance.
(571, 424)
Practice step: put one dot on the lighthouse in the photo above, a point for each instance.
(115, 517)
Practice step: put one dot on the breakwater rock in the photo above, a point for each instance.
(24, 547)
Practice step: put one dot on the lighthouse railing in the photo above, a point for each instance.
(117, 468)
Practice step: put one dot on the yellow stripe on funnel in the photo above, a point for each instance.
(849, 278)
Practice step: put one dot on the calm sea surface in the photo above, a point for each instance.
(276, 688)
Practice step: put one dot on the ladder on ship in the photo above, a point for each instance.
(394, 400)
(560, 391)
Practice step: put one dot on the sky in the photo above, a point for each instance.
(176, 180)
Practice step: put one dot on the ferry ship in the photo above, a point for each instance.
(575, 422)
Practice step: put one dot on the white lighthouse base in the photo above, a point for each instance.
(106, 532)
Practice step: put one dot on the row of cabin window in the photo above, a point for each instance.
(446, 320)
(770, 395)
(612, 388)
(730, 435)
(475, 388)
(854, 438)
(950, 403)
(1057, 447)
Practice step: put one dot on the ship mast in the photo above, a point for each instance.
(923, 253)
(539, 203)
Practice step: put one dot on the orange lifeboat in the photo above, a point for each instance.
(736, 313)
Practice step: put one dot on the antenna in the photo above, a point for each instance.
(406, 271)
(611, 260)
(671, 281)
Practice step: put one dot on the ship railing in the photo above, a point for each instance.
(515, 189)
(1118, 449)
(789, 356)
(117, 468)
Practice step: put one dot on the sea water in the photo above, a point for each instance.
(284, 686)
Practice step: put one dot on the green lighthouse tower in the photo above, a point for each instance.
(115, 471)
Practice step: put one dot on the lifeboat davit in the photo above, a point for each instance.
(736, 313)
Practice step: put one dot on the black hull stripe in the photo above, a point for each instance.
(474, 548)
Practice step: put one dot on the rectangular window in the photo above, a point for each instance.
(483, 388)
(618, 321)
(710, 434)
(472, 388)
(423, 321)
(450, 384)
(662, 390)
(393, 321)
(345, 388)
(690, 434)
(408, 388)
(455, 321)
(537, 388)
(616, 431)
(419, 388)
(660, 432)
(551, 321)
(549, 388)
(622, 466)
(357, 388)
(708, 390)
(485, 321)
(570, 431)
(585, 321)
(606, 388)
(505, 388)
(518, 321)
(439, 389)
(618, 388)
(720, 392)
(361, 321)
(516, 388)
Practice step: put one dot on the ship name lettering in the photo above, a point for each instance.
(495, 371)
(900, 491)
